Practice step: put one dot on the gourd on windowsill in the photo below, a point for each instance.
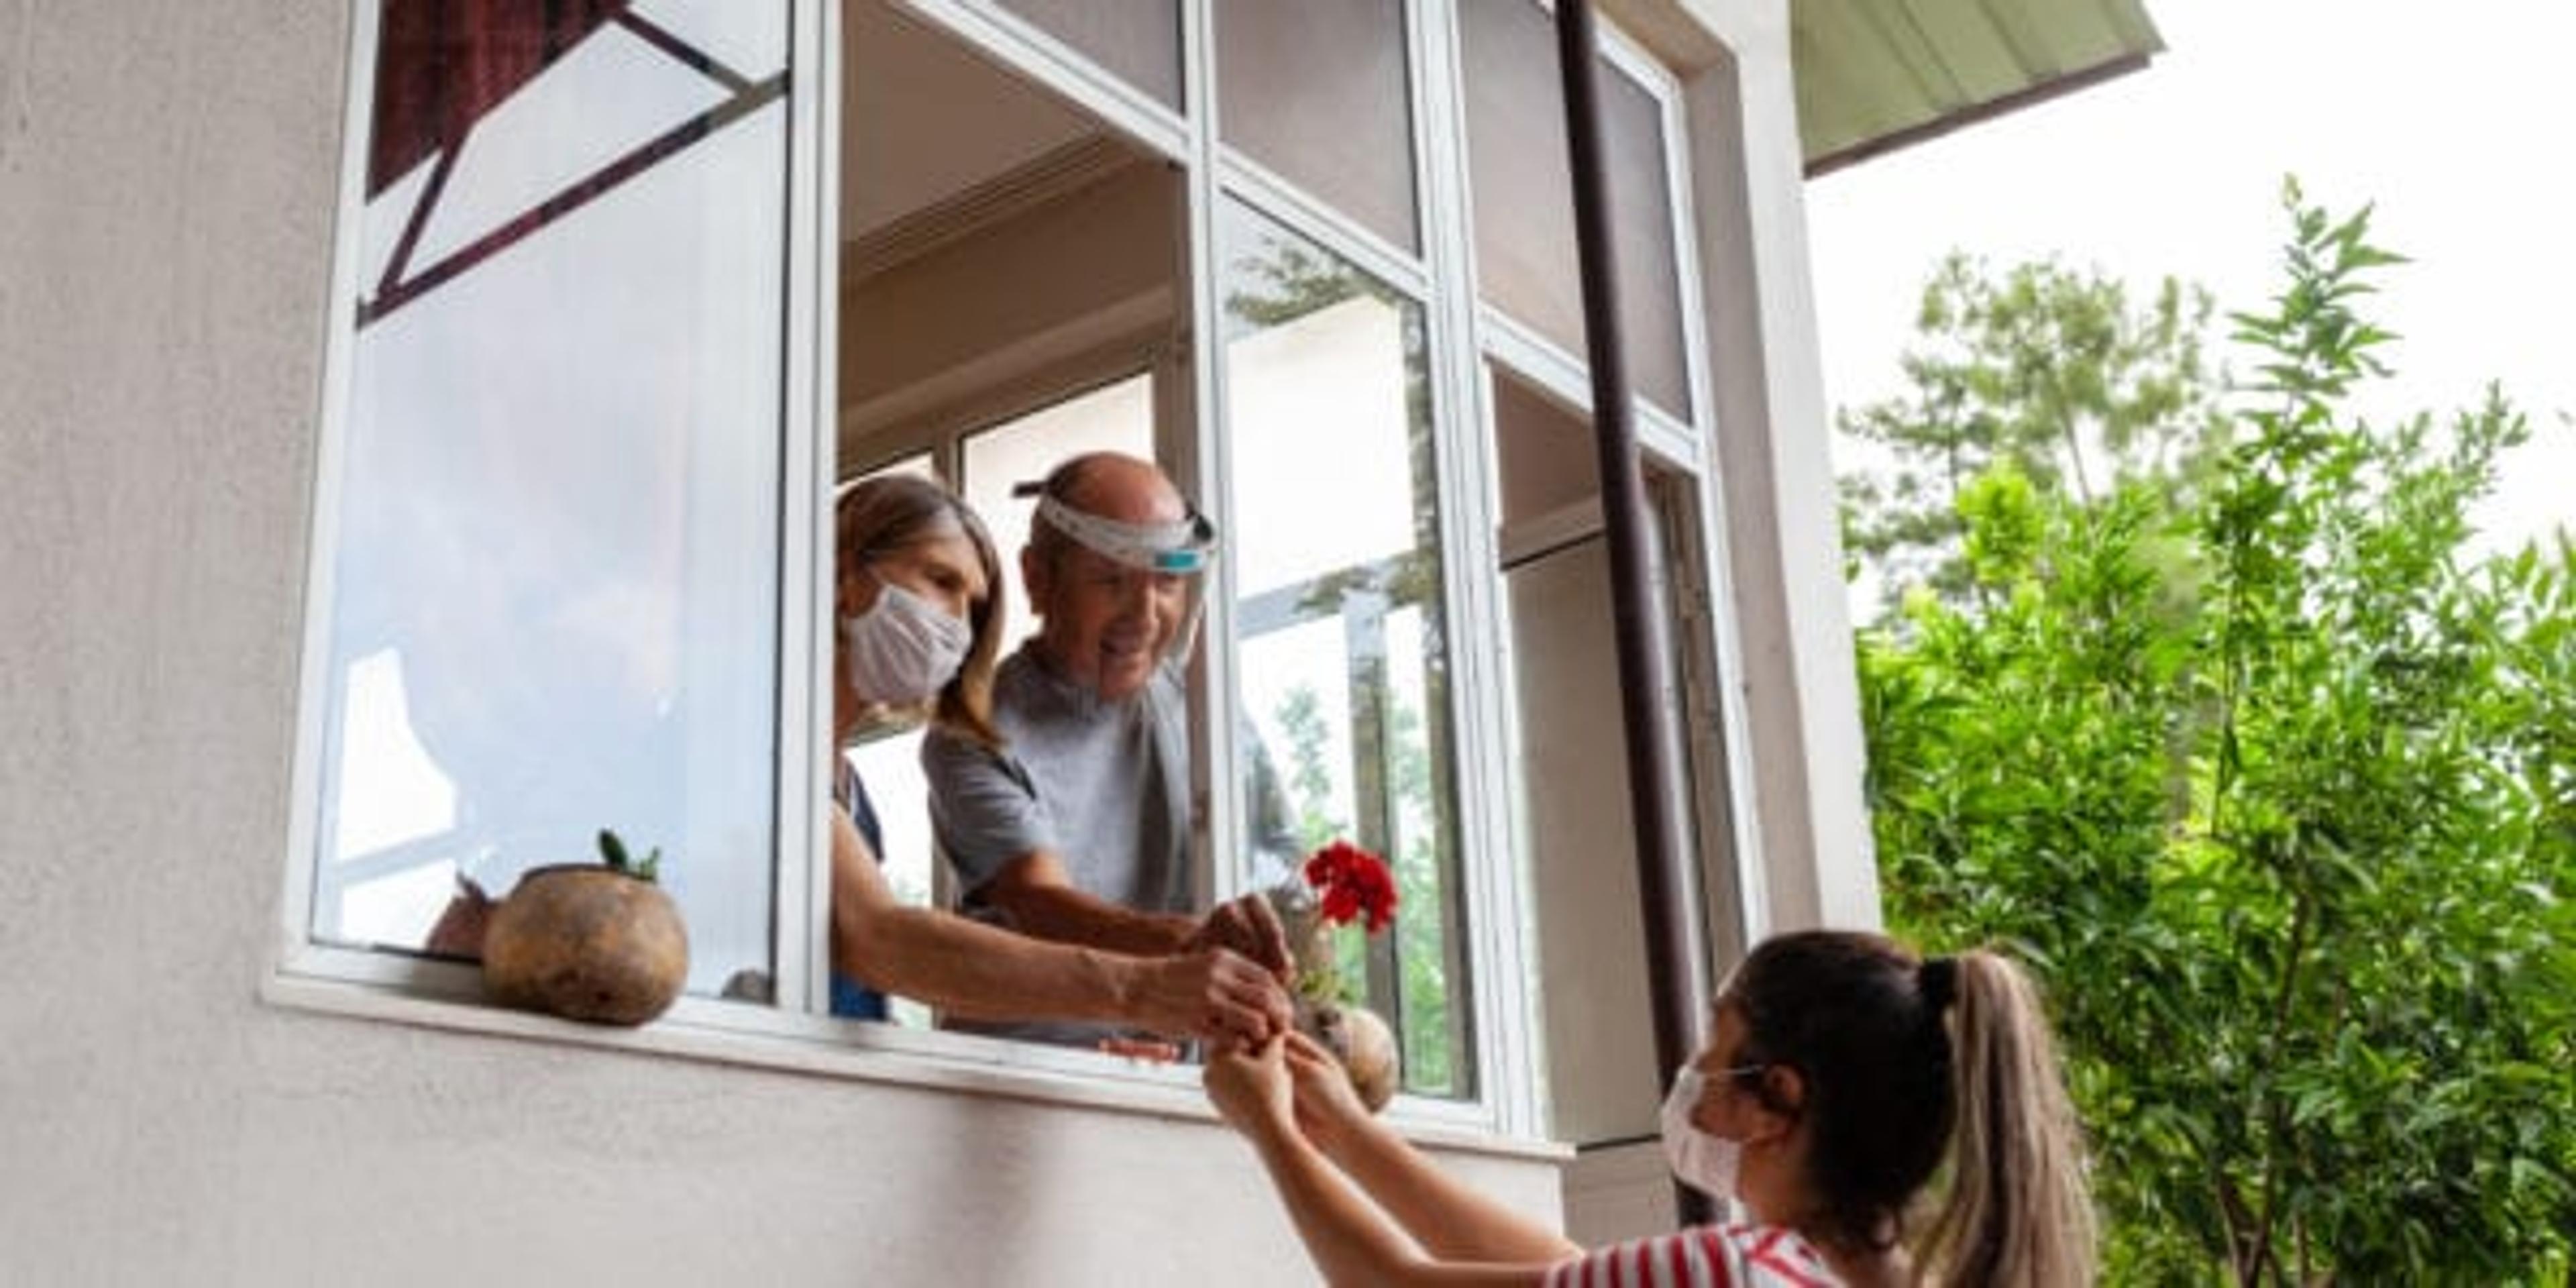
(603, 945)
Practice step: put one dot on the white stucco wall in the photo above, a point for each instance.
(166, 187)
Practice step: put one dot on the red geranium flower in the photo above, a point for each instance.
(1352, 883)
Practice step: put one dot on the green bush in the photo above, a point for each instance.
(2276, 790)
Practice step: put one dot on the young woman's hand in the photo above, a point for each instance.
(1328, 1106)
(1251, 1088)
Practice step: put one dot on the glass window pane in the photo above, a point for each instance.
(1525, 260)
(1138, 40)
(1316, 92)
(1341, 629)
(1641, 214)
(561, 455)
(1116, 417)
(1525, 248)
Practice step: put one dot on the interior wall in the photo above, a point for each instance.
(1043, 272)
(167, 187)
(1596, 1016)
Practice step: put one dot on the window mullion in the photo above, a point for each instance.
(802, 875)
(1500, 1021)
(1198, 454)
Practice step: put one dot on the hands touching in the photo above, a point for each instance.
(1328, 1106)
(1252, 1088)
(1211, 993)
(1286, 1084)
(1226, 985)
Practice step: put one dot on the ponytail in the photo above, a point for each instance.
(2017, 1211)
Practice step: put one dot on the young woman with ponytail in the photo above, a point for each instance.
(1842, 1076)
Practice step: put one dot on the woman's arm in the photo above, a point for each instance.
(1349, 1241)
(987, 973)
(1450, 1219)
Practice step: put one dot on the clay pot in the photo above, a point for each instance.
(1361, 1040)
(586, 943)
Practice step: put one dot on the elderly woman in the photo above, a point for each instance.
(919, 607)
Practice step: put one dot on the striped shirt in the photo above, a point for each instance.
(1704, 1256)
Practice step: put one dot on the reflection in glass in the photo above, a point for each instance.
(1316, 92)
(1139, 40)
(1524, 210)
(1336, 550)
(554, 583)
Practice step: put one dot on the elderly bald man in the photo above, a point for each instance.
(1079, 831)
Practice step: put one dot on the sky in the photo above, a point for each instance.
(2451, 120)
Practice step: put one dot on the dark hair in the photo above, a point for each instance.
(891, 511)
(1908, 1063)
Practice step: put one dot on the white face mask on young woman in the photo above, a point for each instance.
(1703, 1158)
(904, 649)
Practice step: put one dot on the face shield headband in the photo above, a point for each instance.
(1181, 548)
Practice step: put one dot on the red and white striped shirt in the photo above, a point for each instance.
(1704, 1256)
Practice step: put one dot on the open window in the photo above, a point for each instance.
(629, 287)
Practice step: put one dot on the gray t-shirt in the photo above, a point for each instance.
(1104, 785)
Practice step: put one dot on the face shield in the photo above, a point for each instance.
(1184, 549)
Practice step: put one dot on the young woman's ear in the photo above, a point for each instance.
(1778, 1103)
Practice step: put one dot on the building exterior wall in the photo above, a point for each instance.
(167, 181)
(1800, 696)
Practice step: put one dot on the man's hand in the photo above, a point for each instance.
(1248, 926)
(1215, 994)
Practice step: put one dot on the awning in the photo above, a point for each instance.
(1875, 75)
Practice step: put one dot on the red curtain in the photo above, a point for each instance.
(441, 64)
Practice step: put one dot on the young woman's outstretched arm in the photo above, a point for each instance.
(1352, 1244)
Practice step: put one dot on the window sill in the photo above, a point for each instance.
(445, 997)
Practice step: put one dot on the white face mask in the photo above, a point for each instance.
(904, 649)
(1705, 1159)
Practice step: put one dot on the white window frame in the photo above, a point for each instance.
(1463, 335)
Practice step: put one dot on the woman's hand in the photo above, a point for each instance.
(1251, 1088)
(1328, 1106)
(1214, 994)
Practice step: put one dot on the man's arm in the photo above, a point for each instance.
(998, 836)
(1040, 898)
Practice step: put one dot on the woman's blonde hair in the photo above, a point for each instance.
(880, 515)
(2017, 1210)
(1908, 1064)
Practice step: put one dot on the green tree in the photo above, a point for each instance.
(1310, 780)
(2051, 369)
(2277, 792)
